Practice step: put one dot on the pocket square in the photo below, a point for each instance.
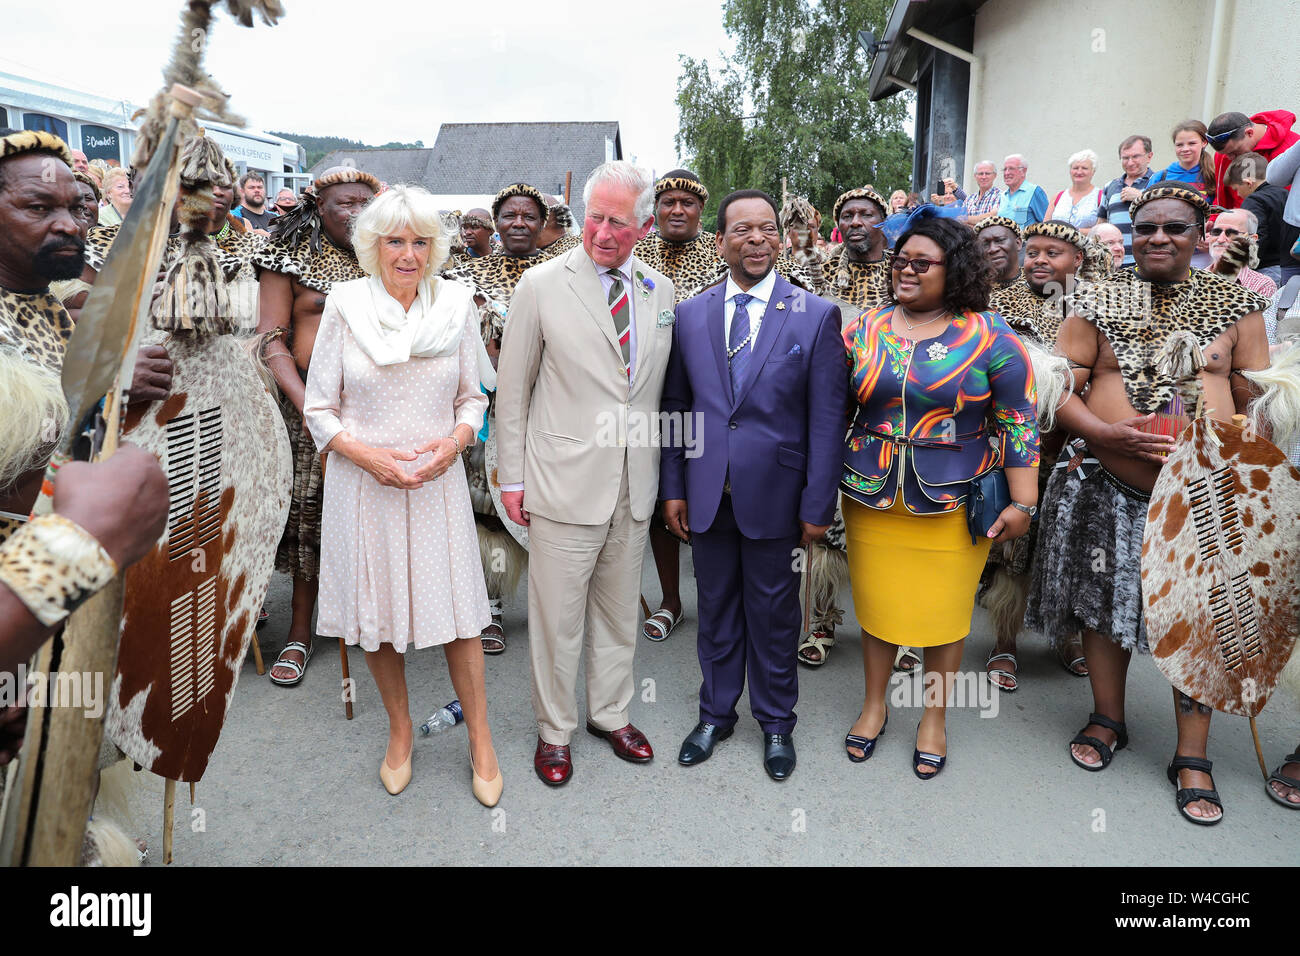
(795, 350)
(666, 318)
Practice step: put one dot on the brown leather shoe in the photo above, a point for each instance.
(628, 742)
(553, 763)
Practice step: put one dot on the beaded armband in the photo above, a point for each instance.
(54, 565)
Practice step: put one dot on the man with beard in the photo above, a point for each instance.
(87, 218)
(857, 276)
(1087, 573)
(520, 212)
(1000, 239)
(309, 250)
(40, 241)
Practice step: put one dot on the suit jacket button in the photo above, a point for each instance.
(732, 425)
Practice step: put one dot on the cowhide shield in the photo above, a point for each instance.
(1221, 567)
(517, 531)
(192, 603)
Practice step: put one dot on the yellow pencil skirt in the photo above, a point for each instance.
(913, 576)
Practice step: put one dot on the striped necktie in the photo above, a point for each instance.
(621, 310)
(738, 341)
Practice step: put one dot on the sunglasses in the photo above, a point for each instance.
(919, 266)
(1218, 140)
(1225, 231)
(1170, 228)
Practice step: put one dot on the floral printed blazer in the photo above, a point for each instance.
(924, 410)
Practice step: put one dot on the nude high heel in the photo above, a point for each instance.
(395, 780)
(486, 792)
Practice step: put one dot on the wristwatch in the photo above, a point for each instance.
(1031, 510)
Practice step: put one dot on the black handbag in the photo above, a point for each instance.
(986, 498)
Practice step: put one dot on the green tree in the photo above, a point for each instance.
(792, 102)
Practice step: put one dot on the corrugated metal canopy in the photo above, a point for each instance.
(36, 96)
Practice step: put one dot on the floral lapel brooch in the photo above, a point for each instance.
(645, 284)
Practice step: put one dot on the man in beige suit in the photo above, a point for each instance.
(579, 381)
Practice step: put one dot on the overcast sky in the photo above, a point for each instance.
(382, 70)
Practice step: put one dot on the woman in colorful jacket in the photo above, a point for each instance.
(940, 386)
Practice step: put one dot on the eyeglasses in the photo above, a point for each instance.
(1218, 140)
(1170, 228)
(1225, 231)
(919, 266)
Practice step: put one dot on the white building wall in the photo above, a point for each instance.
(1061, 76)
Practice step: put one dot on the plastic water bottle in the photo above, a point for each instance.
(442, 719)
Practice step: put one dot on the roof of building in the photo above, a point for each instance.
(482, 158)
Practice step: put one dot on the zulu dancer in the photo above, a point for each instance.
(1087, 570)
(520, 212)
(309, 250)
(1034, 305)
(856, 277)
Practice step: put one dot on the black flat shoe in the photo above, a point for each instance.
(866, 744)
(778, 755)
(920, 758)
(699, 743)
(1186, 795)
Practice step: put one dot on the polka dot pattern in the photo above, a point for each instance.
(397, 567)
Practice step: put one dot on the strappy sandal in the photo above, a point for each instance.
(1186, 795)
(906, 653)
(1074, 662)
(821, 642)
(493, 637)
(656, 620)
(1015, 681)
(866, 744)
(921, 758)
(1280, 777)
(1106, 753)
(298, 669)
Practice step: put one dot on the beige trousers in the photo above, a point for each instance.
(584, 581)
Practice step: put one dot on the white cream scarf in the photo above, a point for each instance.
(431, 327)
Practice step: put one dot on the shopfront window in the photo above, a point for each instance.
(46, 124)
(100, 142)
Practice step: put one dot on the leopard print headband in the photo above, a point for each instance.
(1057, 230)
(519, 189)
(336, 175)
(681, 182)
(88, 181)
(862, 192)
(476, 221)
(1171, 191)
(31, 141)
(1000, 221)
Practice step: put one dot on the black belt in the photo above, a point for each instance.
(921, 442)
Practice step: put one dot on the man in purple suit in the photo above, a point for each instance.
(757, 379)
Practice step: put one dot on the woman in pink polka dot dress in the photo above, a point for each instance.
(393, 397)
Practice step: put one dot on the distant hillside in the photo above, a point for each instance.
(318, 146)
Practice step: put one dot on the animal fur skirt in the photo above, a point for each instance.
(1087, 565)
